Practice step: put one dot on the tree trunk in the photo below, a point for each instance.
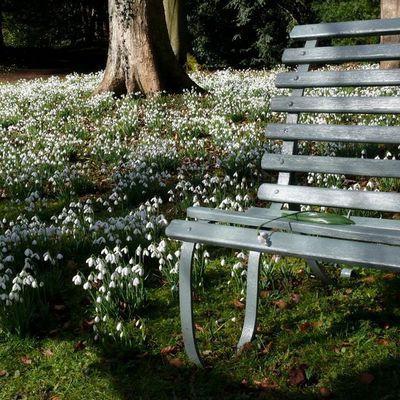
(390, 9)
(1, 26)
(140, 56)
(175, 16)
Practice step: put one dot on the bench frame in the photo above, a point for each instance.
(382, 236)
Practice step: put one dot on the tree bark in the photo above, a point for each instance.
(2, 45)
(175, 15)
(390, 9)
(140, 56)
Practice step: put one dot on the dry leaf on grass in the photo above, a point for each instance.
(266, 384)
(369, 279)
(79, 346)
(199, 328)
(47, 353)
(309, 325)
(383, 342)
(325, 393)
(168, 350)
(238, 304)
(389, 277)
(3, 372)
(281, 304)
(246, 347)
(366, 378)
(295, 297)
(297, 375)
(26, 360)
(176, 362)
(266, 350)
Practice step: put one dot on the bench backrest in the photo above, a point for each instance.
(292, 131)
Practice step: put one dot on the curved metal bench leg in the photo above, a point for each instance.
(250, 318)
(318, 270)
(186, 302)
(347, 273)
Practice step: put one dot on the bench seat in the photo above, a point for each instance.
(374, 230)
(377, 255)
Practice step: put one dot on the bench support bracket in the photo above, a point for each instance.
(252, 295)
(186, 302)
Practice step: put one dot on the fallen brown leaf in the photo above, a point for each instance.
(238, 304)
(325, 393)
(86, 325)
(295, 297)
(246, 347)
(266, 349)
(199, 328)
(176, 362)
(79, 346)
(244, 382)
(47, 353)
(369, 279)
(3, 372)
(389, 277)
(309, 325)
(366, 378)
(297, 375)
(264, 294)
(26, 360)
(383, 342)
(168, 350)
(281, 304)
(266, 384)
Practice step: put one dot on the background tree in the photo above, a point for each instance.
(390, 9)
(1, 25)
(243, 33)
(140, 56)
(176, 18)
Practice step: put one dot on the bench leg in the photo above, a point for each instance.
(252, 295)
(318, 270)
(347, 273)
(186, 302)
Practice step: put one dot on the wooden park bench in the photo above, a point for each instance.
(368, 242)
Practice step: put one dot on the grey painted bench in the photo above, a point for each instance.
(369, 242)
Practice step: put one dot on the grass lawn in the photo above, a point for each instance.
(88, 280)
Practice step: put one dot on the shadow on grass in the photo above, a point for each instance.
(154, 378)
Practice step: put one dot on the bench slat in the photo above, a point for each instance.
(386, 225)
(336, 55)
(289, 244)
(376, 27)
(331, 133)
(377, 201)
(374, 77)
(256, 216)
(356, 105)
(331, 165)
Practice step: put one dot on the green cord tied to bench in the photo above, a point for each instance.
(303, 216)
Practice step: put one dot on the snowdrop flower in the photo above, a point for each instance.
(77, 280)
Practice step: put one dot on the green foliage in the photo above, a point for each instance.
(242, 33)
(345, 10)
(48, 23)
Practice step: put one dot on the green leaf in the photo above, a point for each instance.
(319, 218)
